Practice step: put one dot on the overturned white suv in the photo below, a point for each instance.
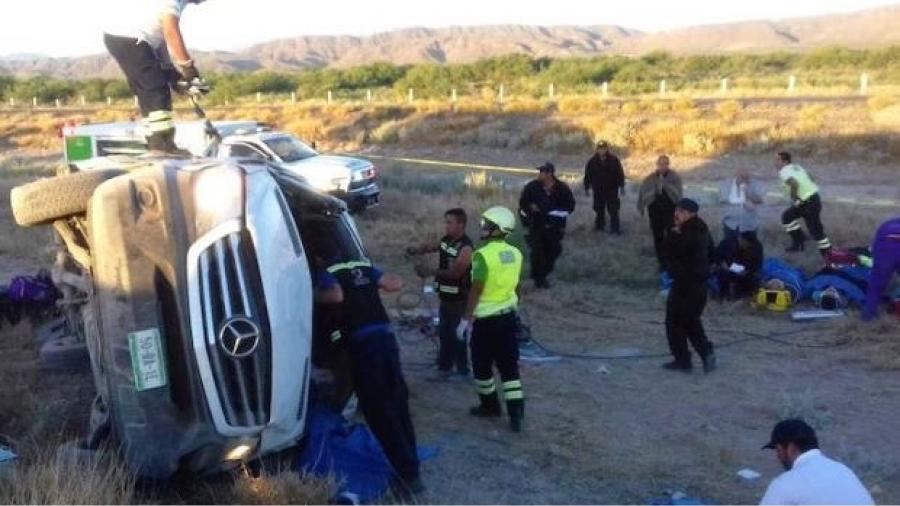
(191, 286)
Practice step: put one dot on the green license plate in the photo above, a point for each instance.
(147, 359)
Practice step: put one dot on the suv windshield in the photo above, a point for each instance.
(290, 149)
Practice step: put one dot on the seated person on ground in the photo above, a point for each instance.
(739, 267)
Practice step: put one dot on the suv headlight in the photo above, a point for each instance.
(218, 196)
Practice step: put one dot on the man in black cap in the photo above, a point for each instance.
(687, 256)
(544, 207)
(604, 175)
(810, 477)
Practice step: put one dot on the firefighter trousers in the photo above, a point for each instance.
(811, 212)
(494, 343)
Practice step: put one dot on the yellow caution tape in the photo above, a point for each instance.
(533, 171)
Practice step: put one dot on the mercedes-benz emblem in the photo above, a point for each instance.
(239, 337)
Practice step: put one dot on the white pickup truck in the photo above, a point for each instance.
(353, 180)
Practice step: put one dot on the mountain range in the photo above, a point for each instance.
(870, 28)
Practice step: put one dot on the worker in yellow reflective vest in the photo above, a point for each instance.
(489, 322)
(805, 204)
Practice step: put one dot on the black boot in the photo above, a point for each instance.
(164, 142)
(679, 365)
(516, 411)
(489, 407)
(709, 360)
(798, 240)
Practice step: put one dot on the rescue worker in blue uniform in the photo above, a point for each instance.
(490, 318)
(375, 362)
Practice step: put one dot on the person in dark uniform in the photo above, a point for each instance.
(659, 193)
(605, 176)
(375, 362)
(687, 259)
(147, 44)
(453, 279)
(739, 267)
(544, 207)
(490, 318)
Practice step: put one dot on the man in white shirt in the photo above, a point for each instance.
(810, 477)
(146, 41)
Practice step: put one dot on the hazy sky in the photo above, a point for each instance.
(73, 27)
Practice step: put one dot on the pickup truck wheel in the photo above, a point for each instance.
(66, 354)
(51, 199)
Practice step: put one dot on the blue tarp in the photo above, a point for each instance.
(792, 277)
(850, 281)
(350, 453)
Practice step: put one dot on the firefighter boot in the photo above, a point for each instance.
(516, 410)
(798, 239)
(489, 407)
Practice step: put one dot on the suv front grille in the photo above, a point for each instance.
(236, 328)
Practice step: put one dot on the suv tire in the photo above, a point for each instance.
(55, 198)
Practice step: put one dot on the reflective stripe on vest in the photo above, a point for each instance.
(347, 266)
(504, 266)
(452, 290)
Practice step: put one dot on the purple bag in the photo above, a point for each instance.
(35, 289)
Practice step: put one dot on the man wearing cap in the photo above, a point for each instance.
(687, 256)
(544, 207)
(604, 175)
(810, 477)
(659, 193)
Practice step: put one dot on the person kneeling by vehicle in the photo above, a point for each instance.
(490, 318)
(375, 361)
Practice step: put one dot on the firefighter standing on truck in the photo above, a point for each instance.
(374, 359)
(141, 41)
(490, 318)
(453, 278)
(805, 204)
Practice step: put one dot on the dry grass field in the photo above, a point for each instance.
(600, 428)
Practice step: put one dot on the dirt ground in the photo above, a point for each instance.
(614, 429)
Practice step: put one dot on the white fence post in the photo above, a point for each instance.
(724, 85)
(502, 94)
(551, 90)
(605, 89)
(369, 96)
(108, 101)
(330, 97)
(135, 101)
(258, 97)
(412, 95)
(293, 97)
(12, 102)
(34, 101)
(58, 103)
(83, 101)
(453, 96)
(864, 84)
(662, 88)
(792, 84)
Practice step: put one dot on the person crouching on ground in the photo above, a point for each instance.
(544, 207)
(739, 267)
(490, 318)
(810, 477)
(687, 260)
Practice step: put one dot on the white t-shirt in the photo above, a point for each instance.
(816, 479)
(142, 19)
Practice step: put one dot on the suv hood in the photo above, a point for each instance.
(326, 162)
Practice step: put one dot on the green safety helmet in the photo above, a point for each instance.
(502, 217)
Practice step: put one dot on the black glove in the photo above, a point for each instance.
(188, 72)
